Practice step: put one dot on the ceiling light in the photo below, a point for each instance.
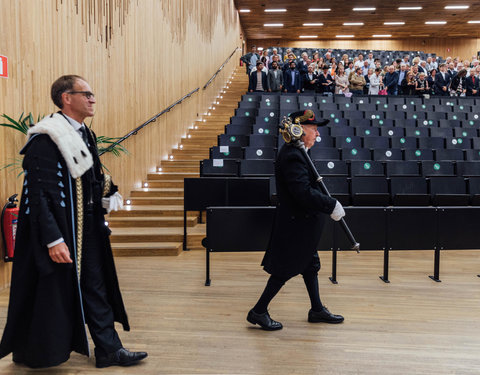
(363, 9)
(382, 35)
(244, 10)
(394, 23)
(275, 10)
(457, 7)
(319, 10)
(344, 36)
(435, 22)
(308, 36)
(409, 8)
(313, 24)
(473, 21)
(353, 24)
(273, 24)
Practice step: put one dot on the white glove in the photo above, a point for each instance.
(114, 202)
(338, 212)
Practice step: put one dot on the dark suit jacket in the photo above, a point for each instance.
(472, 84)
(275, 83)
(287, 80)
(306, 81)
(300, 216)
(391, 82)
(440, 83)
(252, 81)
(322, 79)
(302, 66)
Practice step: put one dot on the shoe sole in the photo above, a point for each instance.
(325, 321)
(262, 327)
(120, 364)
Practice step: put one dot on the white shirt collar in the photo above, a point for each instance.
(75, 124)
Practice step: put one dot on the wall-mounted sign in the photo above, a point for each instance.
(3, 66)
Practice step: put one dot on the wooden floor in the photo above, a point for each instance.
(410, 326)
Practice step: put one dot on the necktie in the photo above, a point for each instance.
(84, 135)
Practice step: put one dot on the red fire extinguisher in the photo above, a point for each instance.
(9, 221)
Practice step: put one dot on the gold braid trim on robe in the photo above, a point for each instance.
(107, 184)
(79, 187)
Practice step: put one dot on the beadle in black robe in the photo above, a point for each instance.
(300, 216)
(45, 315)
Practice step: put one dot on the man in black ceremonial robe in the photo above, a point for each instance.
(299, 221)
(63, 272)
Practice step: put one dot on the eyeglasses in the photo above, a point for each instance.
(87, 94)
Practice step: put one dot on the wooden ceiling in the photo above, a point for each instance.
(342, 11)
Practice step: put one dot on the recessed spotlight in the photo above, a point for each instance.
(128, 201)
(435, 22)
(344, 36)
(160, 169)
(473, 21)
(313, 24)
(146, 183)
(353, 24)
(394, 23)
(275, 10)
(308, 36)
(319, 10)
(363, 9)
(244, 10)
(382, 35)
(409, 8)
(273, 24)
(457, 6)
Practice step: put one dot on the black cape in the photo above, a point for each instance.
(45, 320)
(300, 216)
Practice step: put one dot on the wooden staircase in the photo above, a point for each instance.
(152, 222)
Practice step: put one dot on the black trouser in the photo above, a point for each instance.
(98, 311)
(275, 283)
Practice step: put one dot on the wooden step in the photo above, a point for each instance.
(170, 175)
(152, 222)
(147, 248)
(149, 211)
(157, 192)
(161, 200)
(164, 184)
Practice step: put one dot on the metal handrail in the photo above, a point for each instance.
(219, 69)
(153, 119)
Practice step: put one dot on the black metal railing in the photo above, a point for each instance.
(153, 119)
(219, 69)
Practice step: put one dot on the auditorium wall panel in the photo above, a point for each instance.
(139, 56)
(463, 47)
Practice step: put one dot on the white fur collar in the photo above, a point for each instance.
(71, 145)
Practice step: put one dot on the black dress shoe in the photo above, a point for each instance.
(122, 357)
(264, 321)
(324, 316)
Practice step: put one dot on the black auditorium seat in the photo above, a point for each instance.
(331, 167)
(226, 152)
(257, 168)
(370, 191)
(218, 167)
(449, 191)
(409, 191)
(338, 188)
(402, 168)
(366, 168)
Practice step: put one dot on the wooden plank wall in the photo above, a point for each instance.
(139, 56)
(463, 47)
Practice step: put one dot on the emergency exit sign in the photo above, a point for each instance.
(3, 66)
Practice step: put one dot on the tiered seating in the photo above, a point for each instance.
(375, 151)
(385, 56)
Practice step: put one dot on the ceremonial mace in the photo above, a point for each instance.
(292, 134)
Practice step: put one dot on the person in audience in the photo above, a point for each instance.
(451, 69)
(402, 72)
(378, 63)
(310, 79)
(275, 78)
(316, 58)
(365, 68)
(341, 81)
(406, 60)
(367, 81)
(277, 60)
(428, 64)
(303, 63)
(442, 81)
(265, 58)
(350, 69)
(408, 84)
(301, 208)
(359, 62)
(250, 59)
(422, 67)
(328, 57)
(376, 82)
(458, 84)
(289, 55)
(357, 82)
(391, 81)
(414, 70)
(325, 81)
(434, 64)
(258, 79)
(421, 85)
(431, 80)
(472, 84)
(292, 80)
(370, 60)
(274, 54)
(344, 60)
